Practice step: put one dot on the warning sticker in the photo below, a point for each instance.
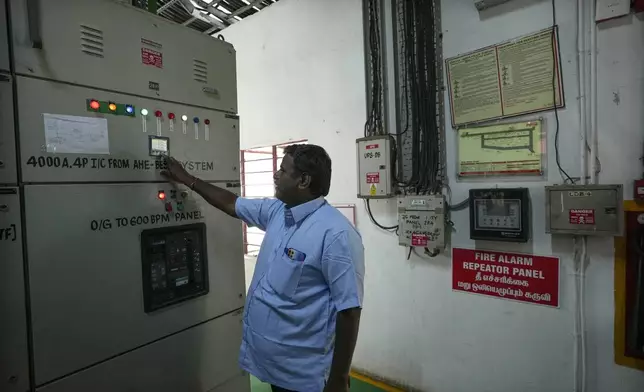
(582, 217)
(373, 178)
(152, 57)
(418, 239)
(372, 146)
(372, 190)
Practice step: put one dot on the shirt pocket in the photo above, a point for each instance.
(284, 275)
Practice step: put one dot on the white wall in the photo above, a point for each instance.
(301, 76)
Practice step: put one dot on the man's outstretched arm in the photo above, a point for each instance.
(219, 198)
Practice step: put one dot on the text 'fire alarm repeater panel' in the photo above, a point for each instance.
(498, 214)
(175, 265)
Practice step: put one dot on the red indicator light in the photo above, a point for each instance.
(161, 195)
(168, 207)
(94, 104)
(158, 113)
(207, 121)
(171, 116)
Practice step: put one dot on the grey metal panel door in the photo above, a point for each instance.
(14, 371)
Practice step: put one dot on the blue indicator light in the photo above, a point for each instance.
(196, 120)
(129, 109)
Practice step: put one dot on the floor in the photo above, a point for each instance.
(356, 386)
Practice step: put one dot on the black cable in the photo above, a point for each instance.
(555, 58)
(373, 220)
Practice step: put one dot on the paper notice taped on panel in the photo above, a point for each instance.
(517, 77)
(76, 135)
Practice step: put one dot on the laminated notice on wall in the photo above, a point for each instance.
(76, 135)
(513, 78)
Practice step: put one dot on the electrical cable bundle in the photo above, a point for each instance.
(374, 123)
(419, 96)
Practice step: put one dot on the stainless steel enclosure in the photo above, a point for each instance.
(99, 91)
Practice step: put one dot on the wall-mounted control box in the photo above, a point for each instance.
(585, 210)
(374, 167)
(421, 221)
(500, 214)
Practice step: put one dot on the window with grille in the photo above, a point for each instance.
(258, 165)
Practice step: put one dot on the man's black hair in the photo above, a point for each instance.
(314, 161)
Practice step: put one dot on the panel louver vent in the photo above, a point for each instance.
(200, 71)
(91, 40)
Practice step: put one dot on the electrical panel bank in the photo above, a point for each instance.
(111, 278)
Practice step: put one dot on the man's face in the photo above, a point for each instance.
(287, 181)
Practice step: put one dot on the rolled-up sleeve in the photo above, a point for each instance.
(343, 269)
(256, 212)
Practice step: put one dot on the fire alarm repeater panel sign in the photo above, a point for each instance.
(584, 210)
(421, 221)
(499, 214)
(374, 167)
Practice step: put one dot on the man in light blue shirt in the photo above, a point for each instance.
(303, 307)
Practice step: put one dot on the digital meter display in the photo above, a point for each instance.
(499, 214)
(159, 146)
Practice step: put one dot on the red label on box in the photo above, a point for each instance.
(152, 57)
(525, 278)
(373, 178)
(371, 146)
(418, 240)
(582, 217)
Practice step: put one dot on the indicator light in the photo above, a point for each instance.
(161, 195)
(171, 116)
(168, 207)
(158, 113)
(206, 121)
(129, 109)
(179, 206)
(196, 120)
(184, 117)
(94, 104)
(112, 106)
(144, 112)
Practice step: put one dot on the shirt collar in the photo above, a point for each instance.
(300, 212)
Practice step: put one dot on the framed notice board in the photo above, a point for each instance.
(509, 79)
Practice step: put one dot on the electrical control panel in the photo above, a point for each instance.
(374, 167)
(14, 368)
(500, 214)
(4, 41)
(584, 210)
(175, 265)
(132, 51)
(8, 172)
(421, 221)
(64, 139)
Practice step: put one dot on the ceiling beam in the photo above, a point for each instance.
(231, 17)
(166, 6)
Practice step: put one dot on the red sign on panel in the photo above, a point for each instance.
(371, 146)
(582, 217)
(418, 240)
(525, 278)
(373, 178)
(152, 57)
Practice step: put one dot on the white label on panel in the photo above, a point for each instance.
(171, 125)
(76, 135)
(196, 131)
(207, 132)
(158, 126)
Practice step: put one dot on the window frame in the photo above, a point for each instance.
(274, 157)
